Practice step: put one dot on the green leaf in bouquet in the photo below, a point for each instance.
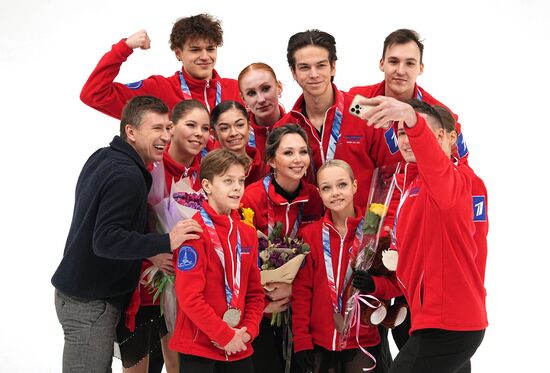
(372, 221)
(161, 284)
(156, 295)
(158, 292)
(277, 231)
(276, 319)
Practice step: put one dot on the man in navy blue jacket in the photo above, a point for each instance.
(107, 240)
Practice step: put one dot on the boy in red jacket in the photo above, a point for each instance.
(438, 267)
(220, 297)
(194, 40)
(401, 64)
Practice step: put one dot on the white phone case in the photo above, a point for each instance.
(357, 109)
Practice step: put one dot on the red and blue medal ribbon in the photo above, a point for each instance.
(335, 131)
(251, 138)
(337, 294)
(187, 92)
(231, 296)
(218, 92)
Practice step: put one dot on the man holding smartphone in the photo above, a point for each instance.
(401, 64)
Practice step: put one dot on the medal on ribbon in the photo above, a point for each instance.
(233, 315)
(337, 292)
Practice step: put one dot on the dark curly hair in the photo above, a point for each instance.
(203, 26)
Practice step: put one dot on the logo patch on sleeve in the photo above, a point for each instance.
(135, 85)
(461, 146)
(391, 140)
(187, 258)
(480, 208)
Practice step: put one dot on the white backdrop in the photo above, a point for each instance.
(488, 61)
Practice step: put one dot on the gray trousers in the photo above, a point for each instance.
(90, 329)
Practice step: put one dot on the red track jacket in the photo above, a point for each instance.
(261, 132)
(200, 290)
(256, 198)
(370, 91)
(103, 94)
(175, 171)
(362, 146)
(434, 232)
(312, 309)
(257, 168)
(481, 221)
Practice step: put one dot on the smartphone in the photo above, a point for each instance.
(358, 110)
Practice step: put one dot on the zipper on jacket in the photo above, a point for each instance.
(286, 219)
(314, 131)
(322, 136)
(196, 334)
(421, 290)
(400, 282)
(207, 85)
(288, 204)
(334, 333)
(338, 280)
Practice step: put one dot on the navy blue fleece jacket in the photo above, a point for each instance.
(106, 241)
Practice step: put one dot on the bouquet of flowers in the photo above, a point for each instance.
(280, 256)
(382, 186)
(167, 207)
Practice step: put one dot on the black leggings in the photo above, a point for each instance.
(346, 361)
(437, 351)
(198, 364)
(400, 333)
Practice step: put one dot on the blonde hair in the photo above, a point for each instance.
(337, 163)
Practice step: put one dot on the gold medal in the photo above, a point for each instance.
(338, 322)
(232, 317)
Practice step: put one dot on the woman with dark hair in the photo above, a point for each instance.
(229, 122)
(282, 196)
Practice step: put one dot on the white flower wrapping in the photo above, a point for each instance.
(281, 257)
(285, 273)
(166, 213)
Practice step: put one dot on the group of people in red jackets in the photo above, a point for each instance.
(309, 168)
